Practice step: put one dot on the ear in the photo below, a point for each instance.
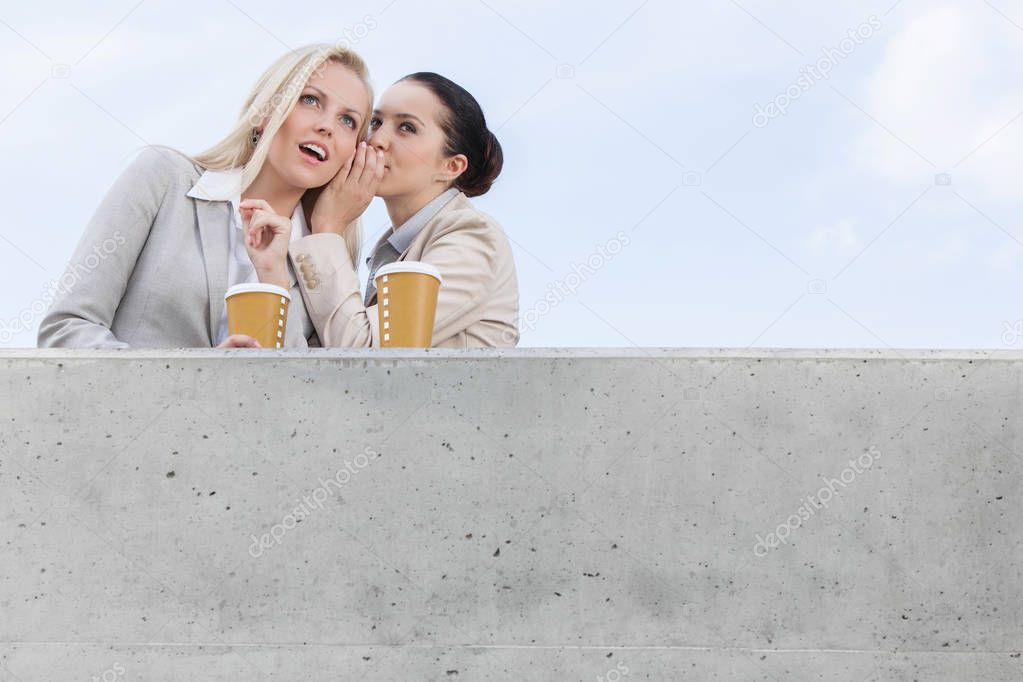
(454, 166)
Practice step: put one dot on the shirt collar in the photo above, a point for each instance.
(403, 236)
(218, 185)
(225, 185)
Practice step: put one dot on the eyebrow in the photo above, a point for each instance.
(415, 118)
(347, 110)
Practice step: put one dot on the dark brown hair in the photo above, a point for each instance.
(465, 129)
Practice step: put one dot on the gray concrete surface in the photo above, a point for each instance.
(511, 515)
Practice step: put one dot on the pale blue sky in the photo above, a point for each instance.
(882, 209)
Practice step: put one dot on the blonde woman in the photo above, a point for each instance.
(180, 227)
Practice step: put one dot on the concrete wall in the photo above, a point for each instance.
(525, 515)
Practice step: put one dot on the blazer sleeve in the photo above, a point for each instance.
(329, 282)
(463, 251)
(90, 291)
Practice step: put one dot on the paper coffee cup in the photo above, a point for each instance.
(407, 303)
(259, 311)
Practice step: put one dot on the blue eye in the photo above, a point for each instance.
(374, 123)
(305, 99)
(408, 127)
(348, 121)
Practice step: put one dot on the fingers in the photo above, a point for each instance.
(239, 341)
(366, 156)
(255, 204)
(263, 226)
(370, 169)
(259, 236)
(358, 163)
(255, 229)
(248, 209)
(256, 238)
(342, 175)
(380, 167)
(373, 175)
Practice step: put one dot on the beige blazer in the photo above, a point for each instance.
(478, 302)
(151, 269)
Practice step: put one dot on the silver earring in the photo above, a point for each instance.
(256, 134)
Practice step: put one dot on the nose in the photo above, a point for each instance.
(324, 127)
(378, 140)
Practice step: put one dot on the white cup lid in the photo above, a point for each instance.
(256, 287)
(409, 266)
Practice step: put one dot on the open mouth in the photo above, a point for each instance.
(313, 151)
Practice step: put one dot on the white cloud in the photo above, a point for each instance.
(941, 87)
(945, 252)
(839, 239)
(1007, 258)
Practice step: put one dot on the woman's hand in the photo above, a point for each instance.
(267, 237)
(348, 194)
(239, 341)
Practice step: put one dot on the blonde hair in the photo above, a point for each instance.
(271, 101)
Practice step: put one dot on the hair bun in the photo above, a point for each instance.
(477, 181)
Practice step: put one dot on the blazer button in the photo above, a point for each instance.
(300, 257)
(313, 283)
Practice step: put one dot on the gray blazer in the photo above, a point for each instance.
(151, 269)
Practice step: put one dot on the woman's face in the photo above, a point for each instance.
(320, 134)
(406, 127)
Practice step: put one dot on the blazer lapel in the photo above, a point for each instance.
(414, 251)
(292, 279)
(298, 321)
(214, 221)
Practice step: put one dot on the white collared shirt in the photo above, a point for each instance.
(226, 186)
